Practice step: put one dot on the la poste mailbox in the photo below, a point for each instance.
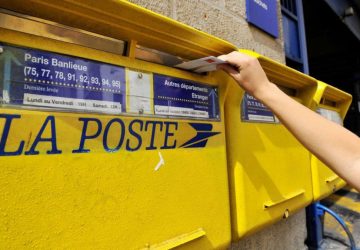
(270, 173)
(100, 149)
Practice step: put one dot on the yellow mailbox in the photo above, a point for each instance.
(270, 174)
(100, 149)
(333, 104)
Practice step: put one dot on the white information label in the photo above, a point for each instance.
(178, 111)
(139, 92)
(331, 115)
(72, 103)
(261, 118)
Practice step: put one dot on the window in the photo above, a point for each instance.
(294, 35)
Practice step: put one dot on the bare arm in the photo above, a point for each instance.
(337, 147)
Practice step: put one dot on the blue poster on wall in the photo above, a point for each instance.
(44, 79)
(263, 14)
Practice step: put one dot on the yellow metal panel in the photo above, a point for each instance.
(267, 165)
(178, 241)
(325, 181)
(270, 174)
(345, 202)
(319, 93)
(125, 21)
(131, 49)
(107, 200)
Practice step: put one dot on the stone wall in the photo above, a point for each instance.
(222, 18)
(227, 19)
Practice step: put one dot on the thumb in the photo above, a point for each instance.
(228, 69)
(223, 57)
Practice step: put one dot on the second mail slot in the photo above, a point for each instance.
(333, 104)
(270, 175)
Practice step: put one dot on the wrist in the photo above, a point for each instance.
(266, 93)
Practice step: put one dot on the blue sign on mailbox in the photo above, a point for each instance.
(40, 78)
(180, 97)
(263, 14)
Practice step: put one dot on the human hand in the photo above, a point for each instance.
(247, 72)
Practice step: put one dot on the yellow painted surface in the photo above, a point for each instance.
(178, 241)
(325, 181)
(345, 202)
(270, 174)
(111, 200)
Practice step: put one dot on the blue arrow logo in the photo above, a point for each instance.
(204, 132)
(7, 57)
(213, 96)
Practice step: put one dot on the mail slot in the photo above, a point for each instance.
(270, 174)
(100, 149)
(333, 104)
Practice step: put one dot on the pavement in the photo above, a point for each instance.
(346, 203)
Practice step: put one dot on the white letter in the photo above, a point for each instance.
(27, 56)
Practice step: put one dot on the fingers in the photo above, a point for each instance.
(223, 57)
(237, 59)
(231, 70)
(228, 69)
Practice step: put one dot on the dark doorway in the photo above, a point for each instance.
(333, 54)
